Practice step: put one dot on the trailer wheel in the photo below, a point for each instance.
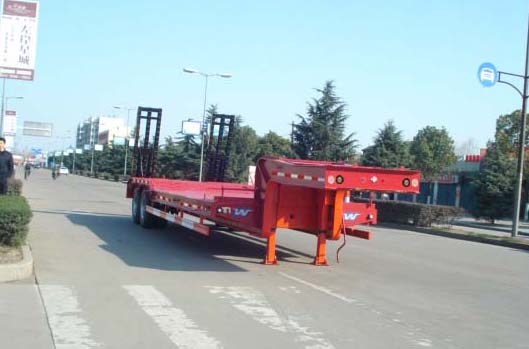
(136, 198)
(147, 220)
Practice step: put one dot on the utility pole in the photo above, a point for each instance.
(92, 146)
(488, 76)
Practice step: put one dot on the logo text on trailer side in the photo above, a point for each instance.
(241, 212)
(347, 216)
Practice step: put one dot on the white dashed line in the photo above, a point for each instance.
(319, 288)
(172, 321)
(416, 332)
(254, 304)
(68, 328)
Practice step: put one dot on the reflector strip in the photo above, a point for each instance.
(170, 201)
(298, 176)
(185, 222)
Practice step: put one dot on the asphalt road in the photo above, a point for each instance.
(103, 282)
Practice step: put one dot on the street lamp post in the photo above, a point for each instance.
(203, 131)
(521, 145)
(126, 137)
(92, 144)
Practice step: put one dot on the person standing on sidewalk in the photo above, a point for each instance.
(6, 166)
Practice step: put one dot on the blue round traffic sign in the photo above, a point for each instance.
(487, 74)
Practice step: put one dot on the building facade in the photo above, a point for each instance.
(100, 130)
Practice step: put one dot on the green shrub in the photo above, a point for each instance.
(421, 215)
(15, 216)
(106, 176)
(116, 177)
(14, 187)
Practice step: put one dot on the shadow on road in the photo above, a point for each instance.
(172, 248)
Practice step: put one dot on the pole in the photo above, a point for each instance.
(3, 101)
(203, 130)
(521, 145)
(92, 145)
(126, 144)
(73, 166)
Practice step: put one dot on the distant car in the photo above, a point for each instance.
(64, 171)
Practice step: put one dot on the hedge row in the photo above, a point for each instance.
(14, 186)
(421, 215)
(15, 216)
(103, 175)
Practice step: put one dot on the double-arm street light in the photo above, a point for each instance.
(204, 130)
(126, 137)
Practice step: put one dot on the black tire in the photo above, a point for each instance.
(147, 220)
(136, 198)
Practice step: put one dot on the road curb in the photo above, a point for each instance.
(20, 270)
(481, 238)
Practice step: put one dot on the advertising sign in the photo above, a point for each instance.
(10, 142)
(191, 128)
(37, 129)
(18, 39)
(118, 141)
(98, 147)
(78, 151)
(10, 123)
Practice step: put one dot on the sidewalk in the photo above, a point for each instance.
(468, 229)
(501, 228)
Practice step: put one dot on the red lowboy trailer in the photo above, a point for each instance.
(309, 196)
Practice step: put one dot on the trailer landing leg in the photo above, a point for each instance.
(270, 257)
(320, 258)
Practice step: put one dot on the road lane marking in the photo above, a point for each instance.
(171, 320)
(68, 328)
(319, 288)
(413, 332)
(254, 304)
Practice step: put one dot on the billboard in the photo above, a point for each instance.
(98, 147)
(18, 39)
(78, 151)
(37, 129)
(9, 126)
(119, 141)
(10, 142)
(191, 128)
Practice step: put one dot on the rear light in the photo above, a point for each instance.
(339, 179)
(406, 182)
(414, 182)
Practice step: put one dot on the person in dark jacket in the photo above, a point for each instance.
(6, 166)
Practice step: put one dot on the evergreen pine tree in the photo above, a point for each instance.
(389, 149)
(321, 134)
(495, 185)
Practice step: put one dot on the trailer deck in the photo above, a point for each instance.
(310, 196)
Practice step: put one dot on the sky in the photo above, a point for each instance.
(411, 61)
